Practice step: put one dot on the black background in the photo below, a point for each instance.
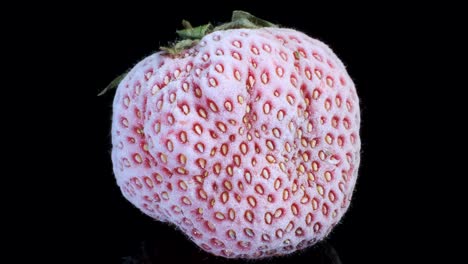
(377, 47)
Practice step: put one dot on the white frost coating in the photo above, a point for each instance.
(168, 187)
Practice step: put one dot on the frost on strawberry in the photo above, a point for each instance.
(246, 139)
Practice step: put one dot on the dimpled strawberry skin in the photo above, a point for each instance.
(248, 142)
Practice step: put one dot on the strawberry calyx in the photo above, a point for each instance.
(242, 19)
(190, 36)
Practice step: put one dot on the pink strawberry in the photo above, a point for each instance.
(247, 140)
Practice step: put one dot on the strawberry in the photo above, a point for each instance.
(247, 139)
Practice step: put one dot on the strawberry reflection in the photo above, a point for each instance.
(158, 251)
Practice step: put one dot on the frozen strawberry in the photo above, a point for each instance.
(246, 139)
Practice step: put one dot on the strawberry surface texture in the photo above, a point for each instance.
(247, 141)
